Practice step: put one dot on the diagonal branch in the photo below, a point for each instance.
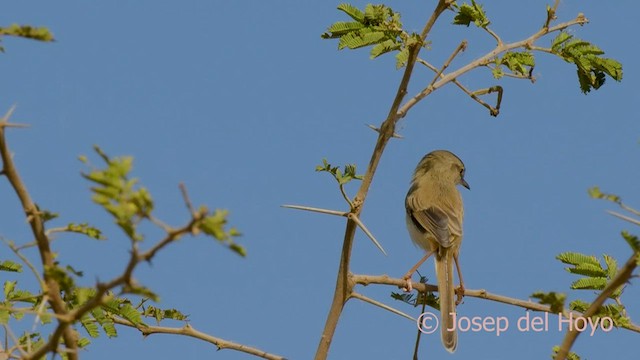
(188, 330)
(36, 223)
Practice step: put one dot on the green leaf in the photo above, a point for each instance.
(341, 28)
(632, 240)
(378, 26)
(385, 47)
(118, 194)
(90, 326)
(577, 259)
(579, 305)
(570, 356)
(520, 63)
(553, 299)
(402, 57)
(588, 270)
(352, 11)
(358, 39)
(83, 342)
(214, 225)
(590, 283)
(27, 32)
(106, 323)
(612, 266)
(86, 229)
(9, 286)
(468, 13)
(591, 67)
(558, 41)
(10, 266)
(595, 193)
(4, 317)
(161, 314)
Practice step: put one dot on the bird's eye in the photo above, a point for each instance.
(462, 172)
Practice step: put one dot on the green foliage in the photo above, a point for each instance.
(519, 63)
(86, 229)
(632, 240)
(468, 13)
(596, 276)
(570, 356)
(119, 195)
(61, 276)
(129, 204)
(342, 177)
(27, 32)
(161, 314)
(614, 311)
(595, 193)
(214, 225)
(592, 68)
(10, 266)
(553, 299)
(378, 26)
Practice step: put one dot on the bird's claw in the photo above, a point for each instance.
(459, 294)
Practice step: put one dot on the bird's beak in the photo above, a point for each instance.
(464, 183)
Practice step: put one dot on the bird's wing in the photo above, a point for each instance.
(435, 221)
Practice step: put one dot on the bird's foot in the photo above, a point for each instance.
(407, 287)
(459, 294)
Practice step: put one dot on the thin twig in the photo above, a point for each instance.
(187, 201)
(26, 261)
(366, 231)
(322, 211)
(551, 13)
(346, 198)
(188, 330)
(624, 217)
(359, 296)
(494, 35)
(460, 48)
(493, 111)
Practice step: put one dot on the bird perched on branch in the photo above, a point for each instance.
(434, 220)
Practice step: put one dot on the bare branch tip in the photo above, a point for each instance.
(312, 209)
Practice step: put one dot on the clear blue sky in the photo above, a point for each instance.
(242, 99)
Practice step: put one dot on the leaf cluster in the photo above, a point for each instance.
(595, 276)
(592, 68)
(341, 176)
(519, 63)
(470, 13)
(27, 32)
(378, 26)
(119, 195)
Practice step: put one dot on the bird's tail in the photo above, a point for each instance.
(444, 274)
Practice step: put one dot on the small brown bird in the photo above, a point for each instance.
(434, 220)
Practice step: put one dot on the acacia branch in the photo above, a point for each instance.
(46, 255)
(344, 288)
(125, 280)
(188, 330)
(486, 59)
(479, 293)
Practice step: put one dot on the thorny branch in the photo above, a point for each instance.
(344, 286)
